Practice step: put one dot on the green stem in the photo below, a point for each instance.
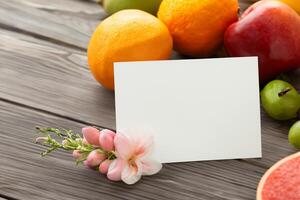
(69, 141)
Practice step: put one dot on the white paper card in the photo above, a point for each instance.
(202, 109)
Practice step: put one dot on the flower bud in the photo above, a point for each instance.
(103, 168)
(41, 139)
(84, 142)
(94, 159)
(77, 154)
(106, 139)
(78, 140)
(91, 135)
(65, 143)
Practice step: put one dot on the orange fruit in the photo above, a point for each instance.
(294, 4)
(128, 35)
(198, 26)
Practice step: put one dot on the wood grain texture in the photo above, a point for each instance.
(25, 175)
(65, 22)
(44, 80)
(50, 77)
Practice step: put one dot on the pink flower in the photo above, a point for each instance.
(123, 156)
(84, 142)
(115, 169)
(103, 168)
(91, 135)
(132, 151)
(77, 154)
(94, 159)
(106, 139)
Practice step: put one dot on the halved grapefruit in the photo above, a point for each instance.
(281, 181)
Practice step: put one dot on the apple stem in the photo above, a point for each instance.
(284, 92)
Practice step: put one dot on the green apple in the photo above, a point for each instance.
(280, 100)
(150, 6)
(294, 135)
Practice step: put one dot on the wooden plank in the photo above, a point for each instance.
(71, 7)
(36, 65)
(65, 22)
(25, 175)
(52, 78)
(45, 72)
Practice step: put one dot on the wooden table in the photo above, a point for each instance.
(45, 81)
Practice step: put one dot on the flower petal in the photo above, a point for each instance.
(142, 140)
(106, 139)
(150, 167)
(132, 174)
(103, 168)
(123, 146)
(77, 154)
(84, 142)
(91, 135)
(94, 159)
(115, 169)
(144, 146)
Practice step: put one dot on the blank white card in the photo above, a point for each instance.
(202, 109)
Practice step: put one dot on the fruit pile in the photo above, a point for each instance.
(270, 29)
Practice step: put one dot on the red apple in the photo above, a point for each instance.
(270, 30)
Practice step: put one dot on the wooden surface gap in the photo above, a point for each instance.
(41, 37)
(50, 113)
(70, 22)
(5, 197)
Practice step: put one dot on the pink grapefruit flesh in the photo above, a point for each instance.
(281, 181)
